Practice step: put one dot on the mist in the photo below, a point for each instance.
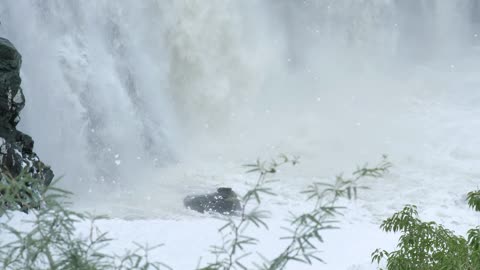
(150, 100)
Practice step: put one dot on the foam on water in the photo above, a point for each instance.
(150, 100)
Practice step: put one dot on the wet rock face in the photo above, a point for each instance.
(224, 201)
(16, 148)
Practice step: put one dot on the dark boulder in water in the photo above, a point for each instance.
(16, 148)
(225, 201)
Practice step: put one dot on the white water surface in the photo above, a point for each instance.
(140, 103)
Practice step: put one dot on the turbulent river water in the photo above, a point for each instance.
(138, 103)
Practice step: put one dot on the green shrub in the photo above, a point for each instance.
(19, 193)
(52, 242)
(430, 246)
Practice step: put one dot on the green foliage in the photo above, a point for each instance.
(229, 255)
(427, 245)
(348, 186)
(52, 242)
(19, 193)
(305, 229)
(473, 200)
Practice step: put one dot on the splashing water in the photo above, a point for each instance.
(160, 97)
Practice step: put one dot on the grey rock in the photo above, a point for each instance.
(225, 201)
(12, 100)
(16, 148)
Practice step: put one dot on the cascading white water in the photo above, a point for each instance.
(127, 91)
(97, 82)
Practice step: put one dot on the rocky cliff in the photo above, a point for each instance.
(16, 148)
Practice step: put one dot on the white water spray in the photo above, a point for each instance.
(128, 91)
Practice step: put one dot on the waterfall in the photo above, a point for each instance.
(117, 91)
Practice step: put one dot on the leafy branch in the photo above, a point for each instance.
(234, 240)
(428, 245)
(305, 231)
(52, 242)
(308, 226)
